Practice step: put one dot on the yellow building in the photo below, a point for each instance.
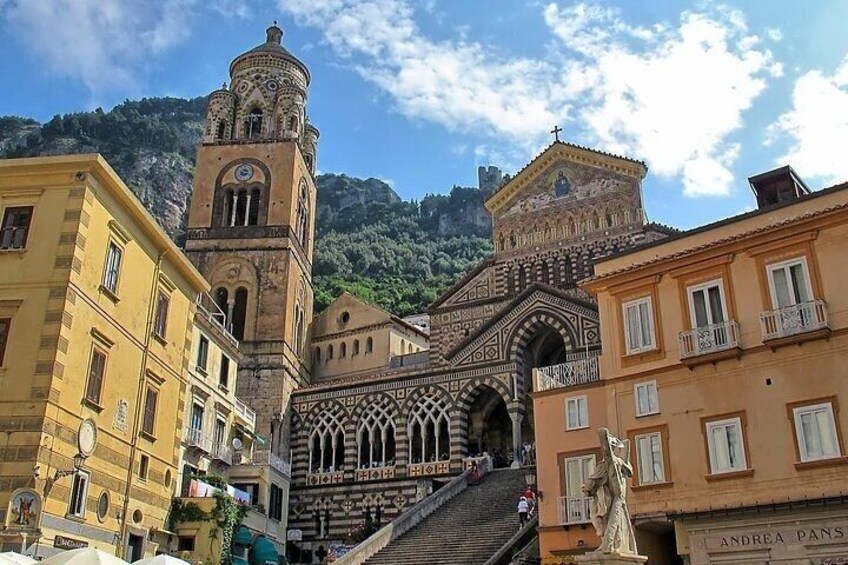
(96, 310)
(219, 440)
(724, 354)
(351, 337)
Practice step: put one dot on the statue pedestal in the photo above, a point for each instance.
(598, 558)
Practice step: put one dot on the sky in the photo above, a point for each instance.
(419, 93)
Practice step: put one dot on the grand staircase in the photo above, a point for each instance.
(466, 530)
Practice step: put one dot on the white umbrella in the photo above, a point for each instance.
(161, 560)
(12, 558)
(84, 556)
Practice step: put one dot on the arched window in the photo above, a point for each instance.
(329, 352)
(227, 210)
(298, 330)
(310, 160)
(522, 277)
(221, 300)
(545, 275)
(429, 430)
(567, 271)
(222, 130)
(317, 355)
(402, 346)
(375, 435)
(253, 207)
(343, 350)
(369, 345)
(239, 314)
(409, 348)
(326, 441)
(303, 214)
(356, 347)
(253, 124)
(292, 123)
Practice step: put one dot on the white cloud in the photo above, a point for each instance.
(817, 125)
(774, 34)
(671, 94)
(102, 43)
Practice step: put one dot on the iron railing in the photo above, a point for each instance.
(709, 339)
(221, 452)
(196, 438)
(266, 457)
(245, 412)
(794, 320)
(573, 510)
(572, 373)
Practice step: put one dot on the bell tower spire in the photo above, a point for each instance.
(252, 220)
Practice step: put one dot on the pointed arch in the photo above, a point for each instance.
(376, 427)
(327, 438)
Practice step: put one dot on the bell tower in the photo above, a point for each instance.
(252, 219)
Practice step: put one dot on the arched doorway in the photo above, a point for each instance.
(545, 347)
(489, 427)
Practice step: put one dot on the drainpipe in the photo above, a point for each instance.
(148, 329)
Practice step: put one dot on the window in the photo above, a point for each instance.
(143, 467)
(356, 347)
(79, 493)
(706, 304)
(576, 413)
(103, 506)
(639, 325)
(202, 353)
(275, 503)
(375, 435)
(253, 124)
(574, 508)
(816, 431)
(185, 543)
(15, 227)
(96, 372)
(789, 283)
(5, 323)
(220, 433)
(160, 323)
(650, 458)
(196, 417)
(646, 398)
(329, 352)
(114, 255)
(727, 452)
(343, 350)
(148, 425)
(369, 345)
(250, 488)
(224, 374)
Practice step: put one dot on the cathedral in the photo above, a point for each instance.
(374, 409)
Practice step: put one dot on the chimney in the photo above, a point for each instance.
(778, 186)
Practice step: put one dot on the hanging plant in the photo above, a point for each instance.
(227, 515)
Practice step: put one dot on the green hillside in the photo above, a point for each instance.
(394, 253)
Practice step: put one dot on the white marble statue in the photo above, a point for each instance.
(607, 487)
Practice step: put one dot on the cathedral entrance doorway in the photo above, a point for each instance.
(544, 349)
(489, 427)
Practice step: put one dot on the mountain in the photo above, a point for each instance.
(397, 254)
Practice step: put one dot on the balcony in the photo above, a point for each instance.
(197, 439)
(795, 324)
(709, 344)
(572, 373)
(573, 510)
(246, 413)
(265, 457)
(206, 308)
(221, 452)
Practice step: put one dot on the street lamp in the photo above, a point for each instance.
(79, 461)
(530, 479)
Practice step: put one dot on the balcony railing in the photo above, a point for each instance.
(572, 373)
(573, 510)
(265, 457)
(709, 339)
(246, 413)
(207, 308)
(13, 237)
(221, 452)
(196, 438)
(794, 320)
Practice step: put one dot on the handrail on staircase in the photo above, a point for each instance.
(520, 539)
(405, 522)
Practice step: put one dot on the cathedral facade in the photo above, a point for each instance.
(371, 408)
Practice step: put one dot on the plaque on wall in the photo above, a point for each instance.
(68, 543)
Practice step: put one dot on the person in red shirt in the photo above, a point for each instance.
(531, 498)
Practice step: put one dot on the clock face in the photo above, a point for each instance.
(87, 437)
(244, 172)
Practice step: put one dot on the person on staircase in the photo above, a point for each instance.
(523, 511)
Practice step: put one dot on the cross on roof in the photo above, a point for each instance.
(556, 131)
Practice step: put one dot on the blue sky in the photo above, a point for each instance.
(420, 93)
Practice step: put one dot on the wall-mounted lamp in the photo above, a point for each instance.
(79, 461)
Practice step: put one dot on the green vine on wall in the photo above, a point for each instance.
(226, 516)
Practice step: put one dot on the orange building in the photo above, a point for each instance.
(724, 363)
